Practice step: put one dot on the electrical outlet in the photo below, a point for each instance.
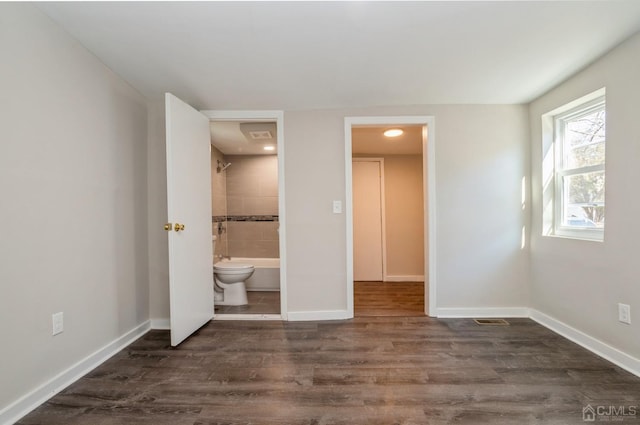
(624, 313)
(58, 323)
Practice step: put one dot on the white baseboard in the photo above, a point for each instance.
(160, 324)
(482, 312)
(44, 392)
(300, 316)
(403, 278)
(222, 316)
(604, 350)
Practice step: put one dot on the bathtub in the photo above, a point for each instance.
(266, 276)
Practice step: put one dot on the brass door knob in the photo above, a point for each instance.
(178, 227)
(168, 227)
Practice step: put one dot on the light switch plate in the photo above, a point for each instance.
(58, 323)
(337, 207)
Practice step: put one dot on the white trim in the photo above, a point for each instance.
(348, 204)
(161, 324)
(429, 188)
(577, 102)
(383, 213)
(556, 123)
(301, 316)
(464, 312)
(404, 278)
(259, 115)
(224, 316)
(53, 386)
(383, 217)
(278, 116)
(602, 349)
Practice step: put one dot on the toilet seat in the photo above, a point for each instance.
(232, 268)
(231, 265)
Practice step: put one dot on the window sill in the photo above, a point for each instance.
(579, 235)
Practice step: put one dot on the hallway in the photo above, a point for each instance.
(388, 299)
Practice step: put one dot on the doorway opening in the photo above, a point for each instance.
(390, 216)
(247, 164)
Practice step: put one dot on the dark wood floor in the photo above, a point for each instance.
(369, 371)
(388, 299)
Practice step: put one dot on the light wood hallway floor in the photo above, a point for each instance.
(388, 299)
(365, 371)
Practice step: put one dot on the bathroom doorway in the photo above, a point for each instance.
(247, 205)
(390, 193)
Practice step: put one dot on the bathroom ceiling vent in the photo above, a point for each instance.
(261, 135)
(258, 131)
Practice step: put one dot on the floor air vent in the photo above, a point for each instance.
(491, 322)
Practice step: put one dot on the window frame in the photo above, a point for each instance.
(560, 172)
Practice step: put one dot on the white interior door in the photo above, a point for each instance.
(189, 205)
(367, 221)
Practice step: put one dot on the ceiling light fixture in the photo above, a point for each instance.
(393, 132)
(269, 148)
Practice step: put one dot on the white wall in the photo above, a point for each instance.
(482, 153)
(73, 183)
(580, 283)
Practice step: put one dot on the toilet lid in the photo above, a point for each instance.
(231, 265)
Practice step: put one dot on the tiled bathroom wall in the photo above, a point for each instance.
(218, 201)
(257, 239)
(252, 206)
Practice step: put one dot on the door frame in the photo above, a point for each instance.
(383, 225)
(278, 117)
(428, 187)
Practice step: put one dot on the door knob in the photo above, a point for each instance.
(168, 227)
(178, 227)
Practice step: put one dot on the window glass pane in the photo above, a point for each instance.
(584, 139)
(584, 200)
(584, 156)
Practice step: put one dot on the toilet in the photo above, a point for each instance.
(229, 281)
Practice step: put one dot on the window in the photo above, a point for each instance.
(579, 174)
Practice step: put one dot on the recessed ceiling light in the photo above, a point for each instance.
(393, 132)
(269, 148)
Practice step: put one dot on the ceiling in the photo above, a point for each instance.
(230, 139)
(310, 55)
(371, 140)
